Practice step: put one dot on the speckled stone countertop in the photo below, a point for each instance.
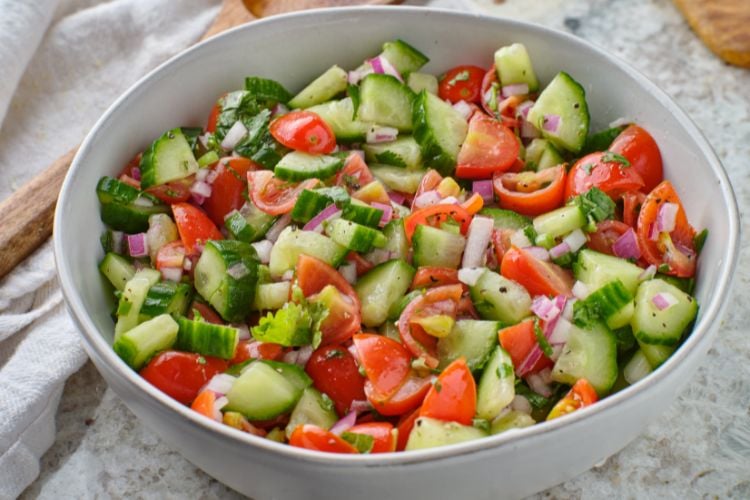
(700, 448)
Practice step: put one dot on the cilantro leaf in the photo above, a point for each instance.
(537, 401)
(595, 205)
(541, 339)
(699, 241)
(611, 157)
(292, 325)
(362, 442)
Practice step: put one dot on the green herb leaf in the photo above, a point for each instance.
(504, 370)
(353, 92)
(541, 339)
(326, 402)
(292, 325)
(481, 424)
(461, 76)
(595, 205)
(266, 91)
(363, 442)
(611, 157)
(537, 401)
(699, 241)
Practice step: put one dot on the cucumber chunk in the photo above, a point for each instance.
(354, 236)
(611, 303)
(322, 89)
(589, 353)
(168, 158)
(249, 224)
(500, 299)
(404, 152)
(117, 269)
(166, 297)
(562, 99)
(541, 154)
(637, 368)
(207, 339)
(513, 66)
(436, 247)
(511, 420)
(226, 275)
(472, 339)
(293, 374)
(380, 288)
(385, 101)
(656, 354)
(362, 213)
(139, 344)
(662, 327)
(397, 178)
(124, 208)
(311, 202)
(430, 432)
(293, 242)
(560, 221)
(506, 219)
(496, 388)
(339, 115)
(262, 393)
(405, 58)
(270, 296)
(131, 301)
(297, 166)
(418, 82)
(397, 243)
(312, 408)
(597, 269)
(440, 130)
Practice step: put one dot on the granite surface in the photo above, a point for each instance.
(700, 448)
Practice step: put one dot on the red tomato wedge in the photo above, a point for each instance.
(531, 193)
(462, 83)
(334, 372)
(227, 190)
(173, 192)
(384, 439)
(430, 181)
(313, 437)
(194, 226)
(604, 171)
(641, 150)
(607, 232)
(204, 404)
(490, 147)
(582, 394)
(272, 195)
(405, 426)
(537, 276)
(304, 131)
(519, 340)
(430, 276)
(386, 362)
(181, 375)
(256, 350)
(407, 397)
(435, 215)
(453, 397)
(206, 312)
(355, 173)
(673, 252)
(631, 207)
(170, 255)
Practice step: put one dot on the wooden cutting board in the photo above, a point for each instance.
(723, 25)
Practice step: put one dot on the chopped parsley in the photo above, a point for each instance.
(611, 157)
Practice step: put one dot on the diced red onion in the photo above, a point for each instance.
(551, 123)
(303, 355)
(515, 89)
(263, 249)
(463, 108)
(349, 272)
(382, 65)
(664, 300)
(377, 134)
(275, 230)
(201, 188)
(449, 200)
(666, 218)
(558, 251)
(581, 290)
(545, 308)
(354, 77)
(360, 406)
(387, 212)
(378, 256)
(470, 275)
(344, 424)
(477, 239)
(396, 197)
(551, 324)
(519, 239)
(187, 264)
(537, 385)
(540, 253)
(238, 270)
(521, 404)
(135, 173)
(556, 351)
(647, 273)
(242, 330)
(197, 198)
(529, 361)
(142, 201)
(279, 109)
(290, 357)
(653, 232)
(220, 383)
(561, 332)
(201, 174)
(354, 352)
(484, 189)
(218, 405)
(522, 111)
(683, 249)
(316, 223)
(575, 240)
(214, 173)
(568, 310)
(234, 135)
(427, 199)
(528, 130)
(288, 275)
(173, 274)
(626, 246)
(137, 245)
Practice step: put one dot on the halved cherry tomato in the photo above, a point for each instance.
(490, 147)
(304, 131)
(490, 78)
(501, 243)
(344, 315)
(439, 300)
(132, 165)
(386, 362)
(272, 195)
(407, 397)
(181, 375)
(206, 312)
(173, 192)
(641, 150)
(204, 404)
(405, 425)
(384, 439)
(612, 177)
(453, 397)
(462, 83)
(213, 117)
(519, 340)
(170, 255)
(250, 349)
(582, 394)
(227, 190)
(607, 232)
(335, 373)
(430, 181)
(313, 437)
(429, 276)
(194, 226)
(531, 193)
(673, 252)
(355, 173)
(537, 276)
(631, 207)
(435, 215)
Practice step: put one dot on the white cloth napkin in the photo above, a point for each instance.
(62, 63)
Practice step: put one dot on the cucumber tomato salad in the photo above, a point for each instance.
(393, 260)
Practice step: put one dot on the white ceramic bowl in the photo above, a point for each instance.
(293, 49)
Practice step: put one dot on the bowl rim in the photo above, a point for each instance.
(97, 346)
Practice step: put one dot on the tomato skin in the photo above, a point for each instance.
(405, 426)
(194, 226)
(409, 396)
(386, 362)
(641, 150)
(173, 192)
(434, 215)
(213, 117)
(181, 375)
(462, 83)
(334, 372)
(303, 131)
(607, 232)
(355, 173)
(490, 147)
(228, 187)
(676, 250)
(538, 277)
(272, 195)
(518, 340)
(582, 394)
(531, 193)
(313, 437)
(384, 439)
(453, 397)
(430, 276)
(612, 177)
(207, 313)
(430, 181)
(631, 207)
